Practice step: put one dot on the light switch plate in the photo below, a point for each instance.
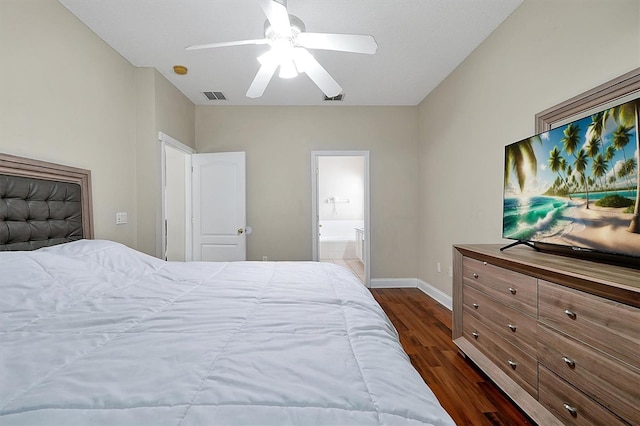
(121, 218)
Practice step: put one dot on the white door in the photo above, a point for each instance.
(219, 207)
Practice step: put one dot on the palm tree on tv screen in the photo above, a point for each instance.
(518, 157)
(599, 167)
(581, 162)
(598, 124)
(570, 142)
(609, 152)
(558, 164)
(593, 147)
(621, 138)
(628, 115)
(571, 138)
(626, 170)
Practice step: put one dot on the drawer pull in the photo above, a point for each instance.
(475, 276)
(484, 263)
(572, 410)
(512, 290)
(570, 314)
(512, 364)
(571, 363)
(475, 334)
(475, 305)
(512, 327)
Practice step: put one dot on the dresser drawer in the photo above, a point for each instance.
(609, 326)
(514, 326)
(607, 380)
(570, 405)
(517, 364)
(514, 289)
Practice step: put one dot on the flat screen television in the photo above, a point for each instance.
(574, 189)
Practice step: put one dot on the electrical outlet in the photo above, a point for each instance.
(438, 267)
(265, 258)
(121, 218)
(451, 271)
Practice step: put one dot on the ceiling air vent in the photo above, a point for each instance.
(337, 98)
(215, 96)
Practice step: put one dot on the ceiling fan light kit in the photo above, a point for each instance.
(288, 70)
(288, 41)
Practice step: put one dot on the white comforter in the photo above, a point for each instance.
(93, 332)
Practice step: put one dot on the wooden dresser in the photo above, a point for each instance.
(560, 336)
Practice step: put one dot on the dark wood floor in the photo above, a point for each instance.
(425, 332)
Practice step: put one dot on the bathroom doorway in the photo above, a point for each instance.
(340, 211)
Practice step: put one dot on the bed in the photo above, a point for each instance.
(94, 332)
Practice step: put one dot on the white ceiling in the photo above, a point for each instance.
(419, 43)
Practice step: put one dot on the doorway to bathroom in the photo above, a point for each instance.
(340, 210)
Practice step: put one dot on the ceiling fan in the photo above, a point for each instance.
(286, 36)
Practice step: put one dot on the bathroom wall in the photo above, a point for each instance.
(341, 188)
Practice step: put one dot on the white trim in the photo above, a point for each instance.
(431, 291)
(436, 294)
(161, 246)
(394, 283)
(188, 212)
(367, 206)
(175, 143)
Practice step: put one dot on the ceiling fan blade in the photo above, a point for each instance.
(354, 43)
(277, 15)
(226, 44)
(305, 62)
(262, 79)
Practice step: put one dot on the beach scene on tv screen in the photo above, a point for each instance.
(577, 185)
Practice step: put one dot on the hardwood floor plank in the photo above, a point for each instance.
(424, 327)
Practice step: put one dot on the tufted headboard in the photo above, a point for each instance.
(42, 204)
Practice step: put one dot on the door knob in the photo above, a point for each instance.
(246, 230)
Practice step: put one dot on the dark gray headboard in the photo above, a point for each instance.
(42, 204)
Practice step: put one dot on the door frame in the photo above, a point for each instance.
(161, 232)
(367, 205)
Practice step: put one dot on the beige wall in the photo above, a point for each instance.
(147, 165)
(161, 108)
(546, 52)
(175, 113)
(67, 97)
(278, 142)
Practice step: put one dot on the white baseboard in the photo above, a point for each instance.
(431, 291)
(436, 294)
(394, 283)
